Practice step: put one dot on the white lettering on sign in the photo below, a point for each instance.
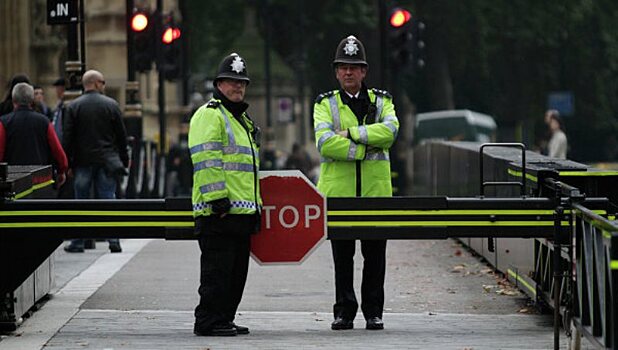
(311, 212)
(62, 9)
(308, 216)
(294, 213)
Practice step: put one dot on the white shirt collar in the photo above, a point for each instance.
(352, 96)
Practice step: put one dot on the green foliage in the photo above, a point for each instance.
(213, 27)
(500, 57)
(504, 57)
(305, 33)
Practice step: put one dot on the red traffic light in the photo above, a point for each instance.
(139, 22)
(399, 17)
(170, 34)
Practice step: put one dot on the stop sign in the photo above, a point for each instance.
(293, 218)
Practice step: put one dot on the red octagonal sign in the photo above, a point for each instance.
(293, 218)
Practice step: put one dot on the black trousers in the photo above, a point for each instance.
(224, 264)
(372, 285)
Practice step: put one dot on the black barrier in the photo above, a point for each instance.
(535, 265)
(435, 217)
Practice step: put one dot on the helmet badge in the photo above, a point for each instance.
(350, 47)
(237, 65)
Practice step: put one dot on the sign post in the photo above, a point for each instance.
(62, 12)
(293, 218)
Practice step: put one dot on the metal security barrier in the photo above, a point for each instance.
(452, 168)
(550, 220)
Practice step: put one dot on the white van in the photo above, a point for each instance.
(454, 125)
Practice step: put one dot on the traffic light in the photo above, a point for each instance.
(171, 49)
(143, 39)
(400, 36)
(419, 43)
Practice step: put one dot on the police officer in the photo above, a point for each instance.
(354, 128)
(224, 144)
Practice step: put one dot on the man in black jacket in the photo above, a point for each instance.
(27, 137)
(95, 140)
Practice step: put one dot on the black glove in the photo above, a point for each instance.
(220, 206)
(372, 110)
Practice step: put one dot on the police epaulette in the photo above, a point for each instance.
(324, 95)
(381, 92)
(213, 104)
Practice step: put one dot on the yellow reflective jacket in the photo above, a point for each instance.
(225, 160)
(359, 165)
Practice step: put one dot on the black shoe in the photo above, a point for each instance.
(115, 247)
(375, 323)
(90, 244)
(341, 323)
(240, 329)
(73, 249)
(216, 331)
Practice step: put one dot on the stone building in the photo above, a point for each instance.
(29, 45)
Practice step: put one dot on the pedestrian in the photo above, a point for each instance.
(27, 137)
(224, 144)
(557, 145)
(354, 128)
(59, 86)
(39, 102)
(179, 167)
(95, 140)
(6, 106)
(299, 159)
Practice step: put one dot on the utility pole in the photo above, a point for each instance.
(161, 93)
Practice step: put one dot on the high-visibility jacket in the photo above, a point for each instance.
(224, 153)
(359, 165)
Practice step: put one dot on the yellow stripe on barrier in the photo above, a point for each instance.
(96, 224)
(522, 281)
(93, 213)
(613, 264)
(588, 173)
(518, 174)
(440, 223)
(439, 212)
(33, 188)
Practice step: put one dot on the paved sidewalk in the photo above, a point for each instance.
(153, 330)
(438, 296)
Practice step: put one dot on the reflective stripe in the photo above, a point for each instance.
(522, 281)
(217, 186)
(237, 150)
(335, 112)
(207, 146)
(228, 127)
(57, 224)
(234, 204)
(363, 138)
(390, 118)
(201, 206)
(377, 156)
(352, 151)
(238, 167)
(392, 127)
(442, 223)
(244, 205)
(323, 125)
(211, 163)
(33, 188)
(369, 156)
(379, 106)
(324, 137)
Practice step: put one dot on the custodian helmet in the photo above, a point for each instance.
(232, 67)
(351, 51)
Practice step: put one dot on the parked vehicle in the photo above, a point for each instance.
(454, 125)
